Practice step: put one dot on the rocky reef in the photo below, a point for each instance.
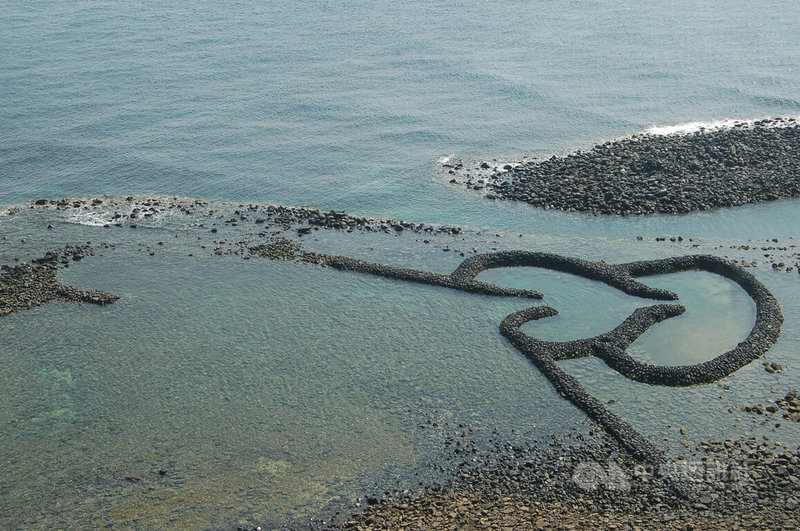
(655, 174)
(28, 285)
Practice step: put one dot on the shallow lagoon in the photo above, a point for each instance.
(275, 391)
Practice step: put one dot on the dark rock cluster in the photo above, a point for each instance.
(278, 249)
(122, 211)
(767, 476)
(28, 285)
(311, 218)
(773, 366)
(666, 174)
(767, 254)
(789, 404)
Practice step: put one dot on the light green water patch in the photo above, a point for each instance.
(585, 307)
(719, 314)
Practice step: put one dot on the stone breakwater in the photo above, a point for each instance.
(544, 355)
(655, 174)
(611, 346)
(283, 249)
(528, 489)
(463, 277)
(28, 285)
(762, 336)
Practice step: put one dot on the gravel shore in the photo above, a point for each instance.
(735, 484)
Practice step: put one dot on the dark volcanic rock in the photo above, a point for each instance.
(670, 174)
(596, 485)
(581, 481)
(790, 404)
(27, 285)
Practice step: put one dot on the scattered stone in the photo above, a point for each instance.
(773, 367)
(732, 485)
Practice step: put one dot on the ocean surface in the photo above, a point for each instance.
(273, 392)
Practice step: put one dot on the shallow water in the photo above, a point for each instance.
(263, 387)
(270, 390)
(273, 391)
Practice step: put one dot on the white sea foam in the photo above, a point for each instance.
(91, 218)
(118, 211)
(717, 125)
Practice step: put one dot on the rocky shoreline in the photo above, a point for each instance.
(262, 225)
(131, 210)
(654, 174)
(28, 285)
(739, 484)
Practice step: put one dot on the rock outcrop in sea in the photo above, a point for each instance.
(654, 174)
(28, 285)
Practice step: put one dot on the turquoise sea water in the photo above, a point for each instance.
(271, 390)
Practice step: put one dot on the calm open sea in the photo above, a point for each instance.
(273, 390)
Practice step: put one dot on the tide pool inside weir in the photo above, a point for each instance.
(718, 315)
(267, 389)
